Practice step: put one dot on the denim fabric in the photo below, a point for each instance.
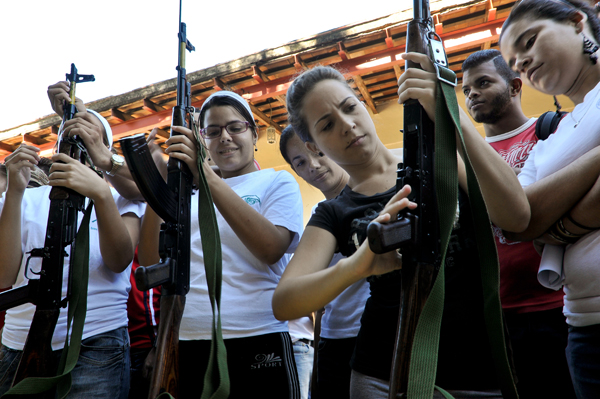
(538, 341)
(333, 367)
(304, 355)
(583, 356)
(102, 371)
(139, 385)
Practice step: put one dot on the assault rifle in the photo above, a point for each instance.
(46, 291)
(172, 202)
(416, 232)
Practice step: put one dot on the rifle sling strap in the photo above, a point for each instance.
(216, 380)
(423, 365)
(76, 316)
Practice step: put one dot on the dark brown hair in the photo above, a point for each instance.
(220, 101)
(556, 10)
(298, 90)
(479, 57)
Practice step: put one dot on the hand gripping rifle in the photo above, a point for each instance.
(46, 291)
(430, 168)
(172, 202)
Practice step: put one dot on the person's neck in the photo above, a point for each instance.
(235, 173)
(511, 120)
(377, 174)
(335, 190)
(587, 79)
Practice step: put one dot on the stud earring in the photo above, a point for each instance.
(590, 48)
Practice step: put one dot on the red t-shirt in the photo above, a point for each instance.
(143, 309)
(520, 290)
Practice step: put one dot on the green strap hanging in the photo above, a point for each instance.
(424, 353)
(216, 383)
(216, 379)
(76, 315)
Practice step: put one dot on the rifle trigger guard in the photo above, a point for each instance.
(34, 253)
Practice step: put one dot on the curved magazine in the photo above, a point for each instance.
(147, 177)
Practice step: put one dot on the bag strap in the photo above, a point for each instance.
(547, 124)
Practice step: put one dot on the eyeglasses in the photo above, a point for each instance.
(233, 128)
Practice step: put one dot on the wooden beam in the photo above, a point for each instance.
(360, 84)
(218, 84)
(152, 107)
(122, 116)
(398, 72)
(258, 75)
(6, 147)
(439, 27)
(264, 118)
(34, 139)
(299, 64)
(342, 52)
(491, 12)
(389, 42)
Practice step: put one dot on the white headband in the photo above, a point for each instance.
(225, 93)
(106, 127)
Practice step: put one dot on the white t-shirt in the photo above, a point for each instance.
(582, 274)
(248, 283)
(301, 328)
(341, 318)
(107, 291)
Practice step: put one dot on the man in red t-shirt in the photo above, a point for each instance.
(533, 314)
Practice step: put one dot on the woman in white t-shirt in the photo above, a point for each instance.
(102, 370)
(554, 46)
(259, 213)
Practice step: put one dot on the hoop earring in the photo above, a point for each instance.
(590, 49)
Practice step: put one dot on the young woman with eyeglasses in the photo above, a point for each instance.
(259, 213)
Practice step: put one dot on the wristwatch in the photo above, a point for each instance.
(117, 161)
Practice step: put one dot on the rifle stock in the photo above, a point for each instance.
(166, 369)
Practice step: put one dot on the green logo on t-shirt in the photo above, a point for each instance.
(251, 199)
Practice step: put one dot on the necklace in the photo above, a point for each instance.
(586, 111)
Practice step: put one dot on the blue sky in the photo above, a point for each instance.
(128, 44)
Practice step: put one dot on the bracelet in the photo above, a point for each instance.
(564, 232)
(578, 224)
(555, 233)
